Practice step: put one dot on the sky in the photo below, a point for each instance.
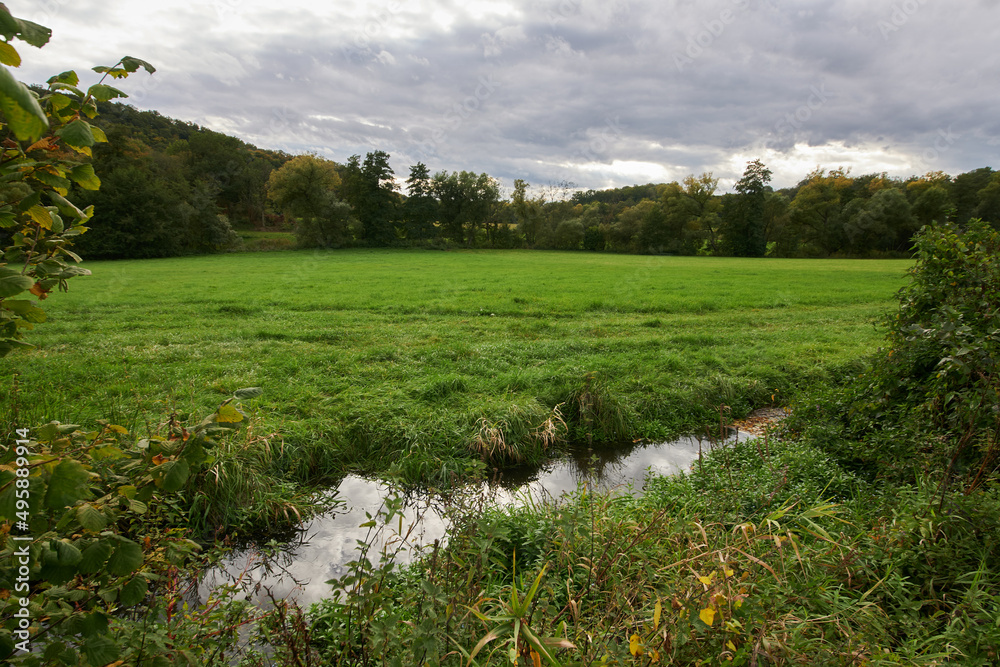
(594, 93)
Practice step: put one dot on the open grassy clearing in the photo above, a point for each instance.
(254, 241)
(369, 356)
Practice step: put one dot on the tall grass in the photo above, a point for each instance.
(762, 555)
(369, 359)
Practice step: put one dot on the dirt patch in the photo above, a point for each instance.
(760, 421)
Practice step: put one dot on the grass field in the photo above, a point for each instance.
(262, 241)
(373, 360)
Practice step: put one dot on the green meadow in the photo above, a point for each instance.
(371, 361)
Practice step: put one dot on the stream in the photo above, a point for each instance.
(326, 544)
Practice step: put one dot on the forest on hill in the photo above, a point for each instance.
(171, 187)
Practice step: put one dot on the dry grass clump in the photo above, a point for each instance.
(525, 433)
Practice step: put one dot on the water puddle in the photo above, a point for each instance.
(330, 541)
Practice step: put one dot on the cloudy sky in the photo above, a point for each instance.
(598, 93)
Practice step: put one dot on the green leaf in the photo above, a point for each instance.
(91, 518)
(66, 553)
(248, 393)
(8, 345)
(9, 55)
(69, 87)
(131, 64)
(107, 452)
(11, 285)
(77, 134)
(41, 216)
(6, 642)
(29, 202)
(115, 72)
(100, 650)
(58, 183)
(95, 623)
(85, 177)
(95, 556)
(174, 475)
(26, 309)
(228, 414)
(8, 495)
(32, 33)
(126, 559)
(137, 506)
(8, 24)
(539, 646)
(145, 494)
(195, 453)
(72, 272)
(103, 93)
(68, 484)
(65, 206)
(133, 592)
(24, 114)
(59, 102)
(47, 432)
(68, 77)
(53, 650)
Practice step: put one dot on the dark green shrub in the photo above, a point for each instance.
(934, 389)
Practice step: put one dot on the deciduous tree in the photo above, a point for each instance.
(306, 187)
(743, 225)
(815, 213)
(370, 189)
(420, 210)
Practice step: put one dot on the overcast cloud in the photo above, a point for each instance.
(599, 93)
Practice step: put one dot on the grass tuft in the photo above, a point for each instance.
(524, 433)
(598, 414)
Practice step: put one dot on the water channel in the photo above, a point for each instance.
(329, 542)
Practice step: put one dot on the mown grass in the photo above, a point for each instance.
(372, 360)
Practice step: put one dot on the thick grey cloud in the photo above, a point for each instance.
(597, 93)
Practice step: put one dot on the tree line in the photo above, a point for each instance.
(171, 187)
